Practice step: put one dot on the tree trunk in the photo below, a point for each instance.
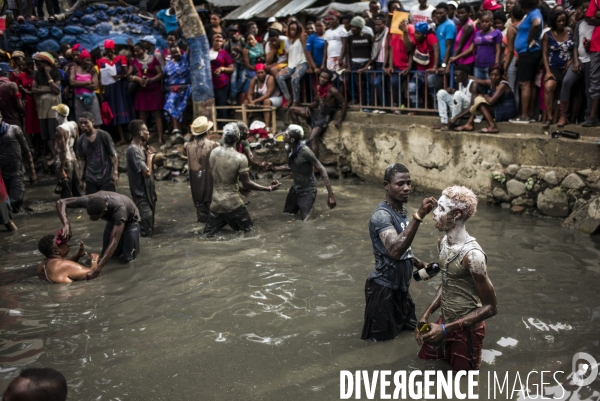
(193, 31)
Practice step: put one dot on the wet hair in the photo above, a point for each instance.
(529, 4)
(88, 116)
(464, 198)
(46, 245)
(443, 6)
(135, 126)
(392, 170)
(231, 134)
(45, 384)
(496, 66)
(500, 15)
(96, 205)
(174, 33)
(516, 12)
(554, 17)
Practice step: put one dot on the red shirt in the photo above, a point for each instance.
(595, 42)
(3, 193)
(398, 50)
(426, 47)
(102, 61)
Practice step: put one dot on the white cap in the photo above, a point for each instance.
(453, 3)
(150, 39)
(295, 128)
(271, 20)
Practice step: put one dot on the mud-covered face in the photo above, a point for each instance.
(444, 215)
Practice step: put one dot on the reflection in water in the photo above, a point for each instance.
(277, 314)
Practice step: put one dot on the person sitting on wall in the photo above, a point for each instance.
(320, 112)
(458, 100)
(57, 268)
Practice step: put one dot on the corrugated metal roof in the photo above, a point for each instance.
(355, 8)
(227, 3)
(268, 8)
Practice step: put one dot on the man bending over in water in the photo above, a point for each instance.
(57, 268)
(301, 161)
(466, 295)
(320, 112)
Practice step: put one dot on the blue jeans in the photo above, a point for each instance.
(397, 81)
(417, 81)
(238, 80)
(381, 90)
(295, 75)
(481, 72)
(363, 84)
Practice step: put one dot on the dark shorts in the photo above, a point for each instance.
(239, 220)
(146, 210)
(129, 244)
(594, 75)
(91, 188)
(387, 313)
(527, 65)
(15, 186)
(5, 212)
(559, 74)
(319, 119)
(299, 202)
(48, 128)
(71, 184)
(462, 348)
(202, 211)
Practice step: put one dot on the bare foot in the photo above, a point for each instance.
(466, 127)
(11, 226)
(489, 130)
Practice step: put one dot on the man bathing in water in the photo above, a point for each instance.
(301, 162)
(390, 308)
(57, 268)
(320, 112)
(466, 295)
(122, 231)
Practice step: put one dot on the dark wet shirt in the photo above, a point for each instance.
(141, 188)
(97, 154)
(12, 147)
(121, 208)
(201, 180)
(302, 169)
(389, 272)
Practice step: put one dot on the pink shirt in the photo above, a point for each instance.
(459, 31)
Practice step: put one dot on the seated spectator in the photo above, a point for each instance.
(458, 100)
(496, 103)
(557, 50)
(234, 46)
(425, 57)
(57, 268)
(465, 33)
(37, 384)
(221, 66)
(253, 54)
(166, 19)
(487, 45)
(263, 91)
(580, 69)
(319, 113)
(178, 85)
(276, 51)
(297, 65)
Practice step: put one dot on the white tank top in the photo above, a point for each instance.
(466, 90)
(296, 54)
(68, 126)
(262, 89)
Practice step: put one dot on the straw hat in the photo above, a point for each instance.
(62, 109)
(201, 125)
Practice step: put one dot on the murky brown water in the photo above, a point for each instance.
(277, 314)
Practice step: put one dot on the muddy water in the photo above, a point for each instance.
(277, 314)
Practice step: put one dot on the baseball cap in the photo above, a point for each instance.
(271, 20)
(490, 5)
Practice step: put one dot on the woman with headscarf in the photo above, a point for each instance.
(46, 90)
(115, 68)
(84, 80)
(177, 83)
(149, 97)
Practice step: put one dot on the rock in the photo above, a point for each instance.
(101, 16)
(500, 194)
(73, 30)
(512, 169)
(56, 33)
(177, 139)
(573, 181)
(579, 203)
(594, 176)
(70, 39)
(585, 172)
(550, 178)
(553, 202)
(187, 137)
(162, 174)
(505, 205)
(521, 201)
(346, 169)
(515, 188)
(525, 172)
(103, 29)
(89, 20)
(174, 163)
(517, 209)
(332, 172)
(30, 39)
(586, 218)
(42, 33)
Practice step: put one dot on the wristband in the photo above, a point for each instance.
(444, 329)
(50, 81)
(416, 216)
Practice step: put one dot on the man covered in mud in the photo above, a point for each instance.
(466, 295)
(139, 172)
(302, 162)
(244, 146)
(58, 268)
(198, 152)
(122, 230)
(320, 112)
(390, 308)
(67, 170)
(229, 168)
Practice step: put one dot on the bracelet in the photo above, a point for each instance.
(444, 329)
(50, 81)
(270, 189)
(94, 260)
(416, 216)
